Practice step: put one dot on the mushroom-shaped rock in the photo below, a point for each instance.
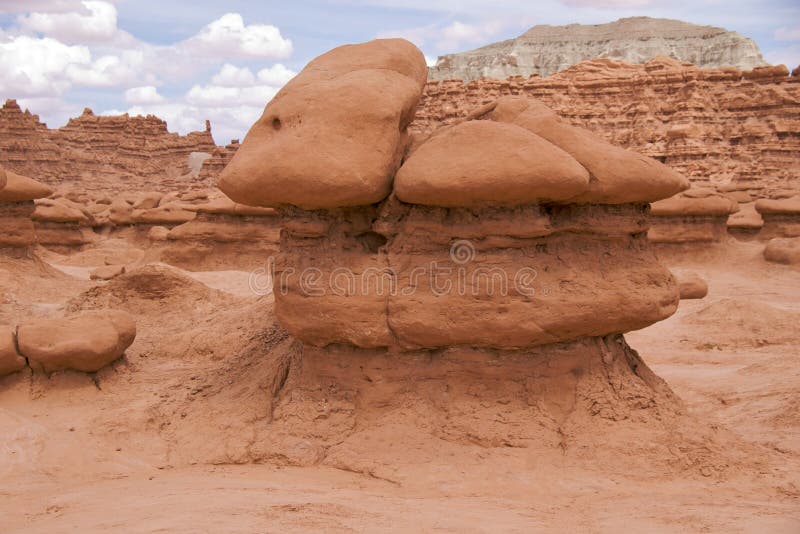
(618, 176)
(781, 217)
(484, 162)
(335, 134)
(21, 188)
(10, 360)
(86, 342)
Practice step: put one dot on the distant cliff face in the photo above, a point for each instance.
(102, 153)
(545, 50)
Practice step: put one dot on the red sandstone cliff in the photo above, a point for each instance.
(102, 153)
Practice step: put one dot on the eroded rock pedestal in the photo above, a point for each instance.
(486, 272)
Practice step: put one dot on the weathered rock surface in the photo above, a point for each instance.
(544, 50)
(486, 162)
(783, 250)
(618, 176)
(10, 360)
(352, 105)
(21, 188)
(87, 342)
(715, 126)
(103, 153)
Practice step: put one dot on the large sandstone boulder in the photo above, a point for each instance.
(2, 177)
(335, 134)
(618, 176)
(86, 342)
(21, 188)
(507, 231)
(485, 162)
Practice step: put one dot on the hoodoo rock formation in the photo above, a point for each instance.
(722, 128)
(103, 153)
(698, 215)
(354, 113)
(544, 50)
(511, 244)
(17, 207)
(781, 217)
(518, 188)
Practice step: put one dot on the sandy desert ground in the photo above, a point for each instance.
(164, 440)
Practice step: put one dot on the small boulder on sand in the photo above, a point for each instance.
(107, 272)
(690, 285)
(86, 342)
(783, 250)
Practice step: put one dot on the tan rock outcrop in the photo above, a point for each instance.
(352, 105)
(87, 342)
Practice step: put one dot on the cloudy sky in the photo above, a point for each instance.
(191, 60)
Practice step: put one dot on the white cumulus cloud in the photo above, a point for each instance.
(146, 94)
(97, 24)
(229, 36)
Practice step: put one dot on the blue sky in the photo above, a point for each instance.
(191, 60)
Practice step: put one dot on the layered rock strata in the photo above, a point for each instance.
(544, 50)
(223, 234)
(102, 153)
(695, 216)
